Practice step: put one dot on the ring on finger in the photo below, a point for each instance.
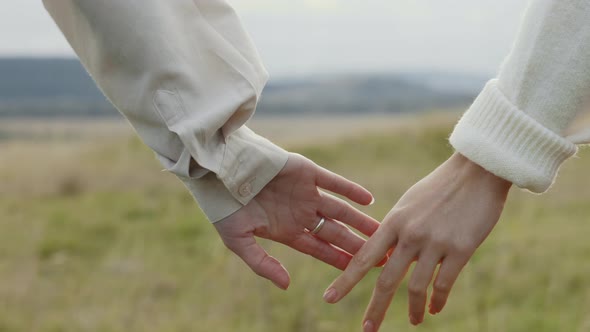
(319, 226)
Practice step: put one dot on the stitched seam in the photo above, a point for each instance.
(155, 104)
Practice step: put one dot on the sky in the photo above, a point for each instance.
(305, 37)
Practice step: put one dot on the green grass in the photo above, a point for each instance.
(111, 244)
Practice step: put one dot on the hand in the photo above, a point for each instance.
(291, 205)
(440, 220)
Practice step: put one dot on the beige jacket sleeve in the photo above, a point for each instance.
(519, 127)
(187, 77)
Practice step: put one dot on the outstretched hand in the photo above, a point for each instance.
(442, 220)
(287, 209)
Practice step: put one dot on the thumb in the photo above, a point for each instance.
(260, 261)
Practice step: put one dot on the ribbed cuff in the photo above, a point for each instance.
(508, 143)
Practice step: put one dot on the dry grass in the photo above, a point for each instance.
(94, 238)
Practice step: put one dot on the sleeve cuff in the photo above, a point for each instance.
(249, 164)
(507, 142)
(212, 196)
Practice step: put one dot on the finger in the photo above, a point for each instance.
(259, 261)
(341, 236)
(340, 185)
(338, 209)
(325, 252)
(446, 277)
(418, 286)
(368, 256)
(386, 287)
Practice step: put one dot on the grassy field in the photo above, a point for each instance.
(93, 237)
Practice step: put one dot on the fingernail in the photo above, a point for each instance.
(414, 320)
(368, 326)
(372, 201)
(279, 285)
(330, 295)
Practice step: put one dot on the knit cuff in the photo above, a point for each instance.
(507, 142)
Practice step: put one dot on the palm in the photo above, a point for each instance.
(289, 206)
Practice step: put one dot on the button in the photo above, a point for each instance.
(245, 189)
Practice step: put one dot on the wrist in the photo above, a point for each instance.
(470, 171)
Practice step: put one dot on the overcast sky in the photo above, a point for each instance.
(301, 37)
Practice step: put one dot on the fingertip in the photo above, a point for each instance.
(369, 326)
(359, 194)
(365, 197)
(331, 295)
(433, 310)
(278, 274)
(281, 284)
(284, 279)
(366, 200)
(416, 319)
(436, 305)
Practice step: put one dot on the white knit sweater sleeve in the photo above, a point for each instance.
(516, 126)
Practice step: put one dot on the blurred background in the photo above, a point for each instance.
(93, 237)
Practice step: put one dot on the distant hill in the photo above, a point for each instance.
(32, 87)
(49, 87)
(383, 93)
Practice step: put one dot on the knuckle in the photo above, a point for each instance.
(404, 245)
(361, 260)
(395, 219)
(413, 235)
(257, 266)
(384, 285)
(343, 210)
(343, 234)
(440, 242)
(339, 233)
(416, 290)
(442, 286)
(257, 271)
(389, 227)
(398, 213)
(462, 249)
